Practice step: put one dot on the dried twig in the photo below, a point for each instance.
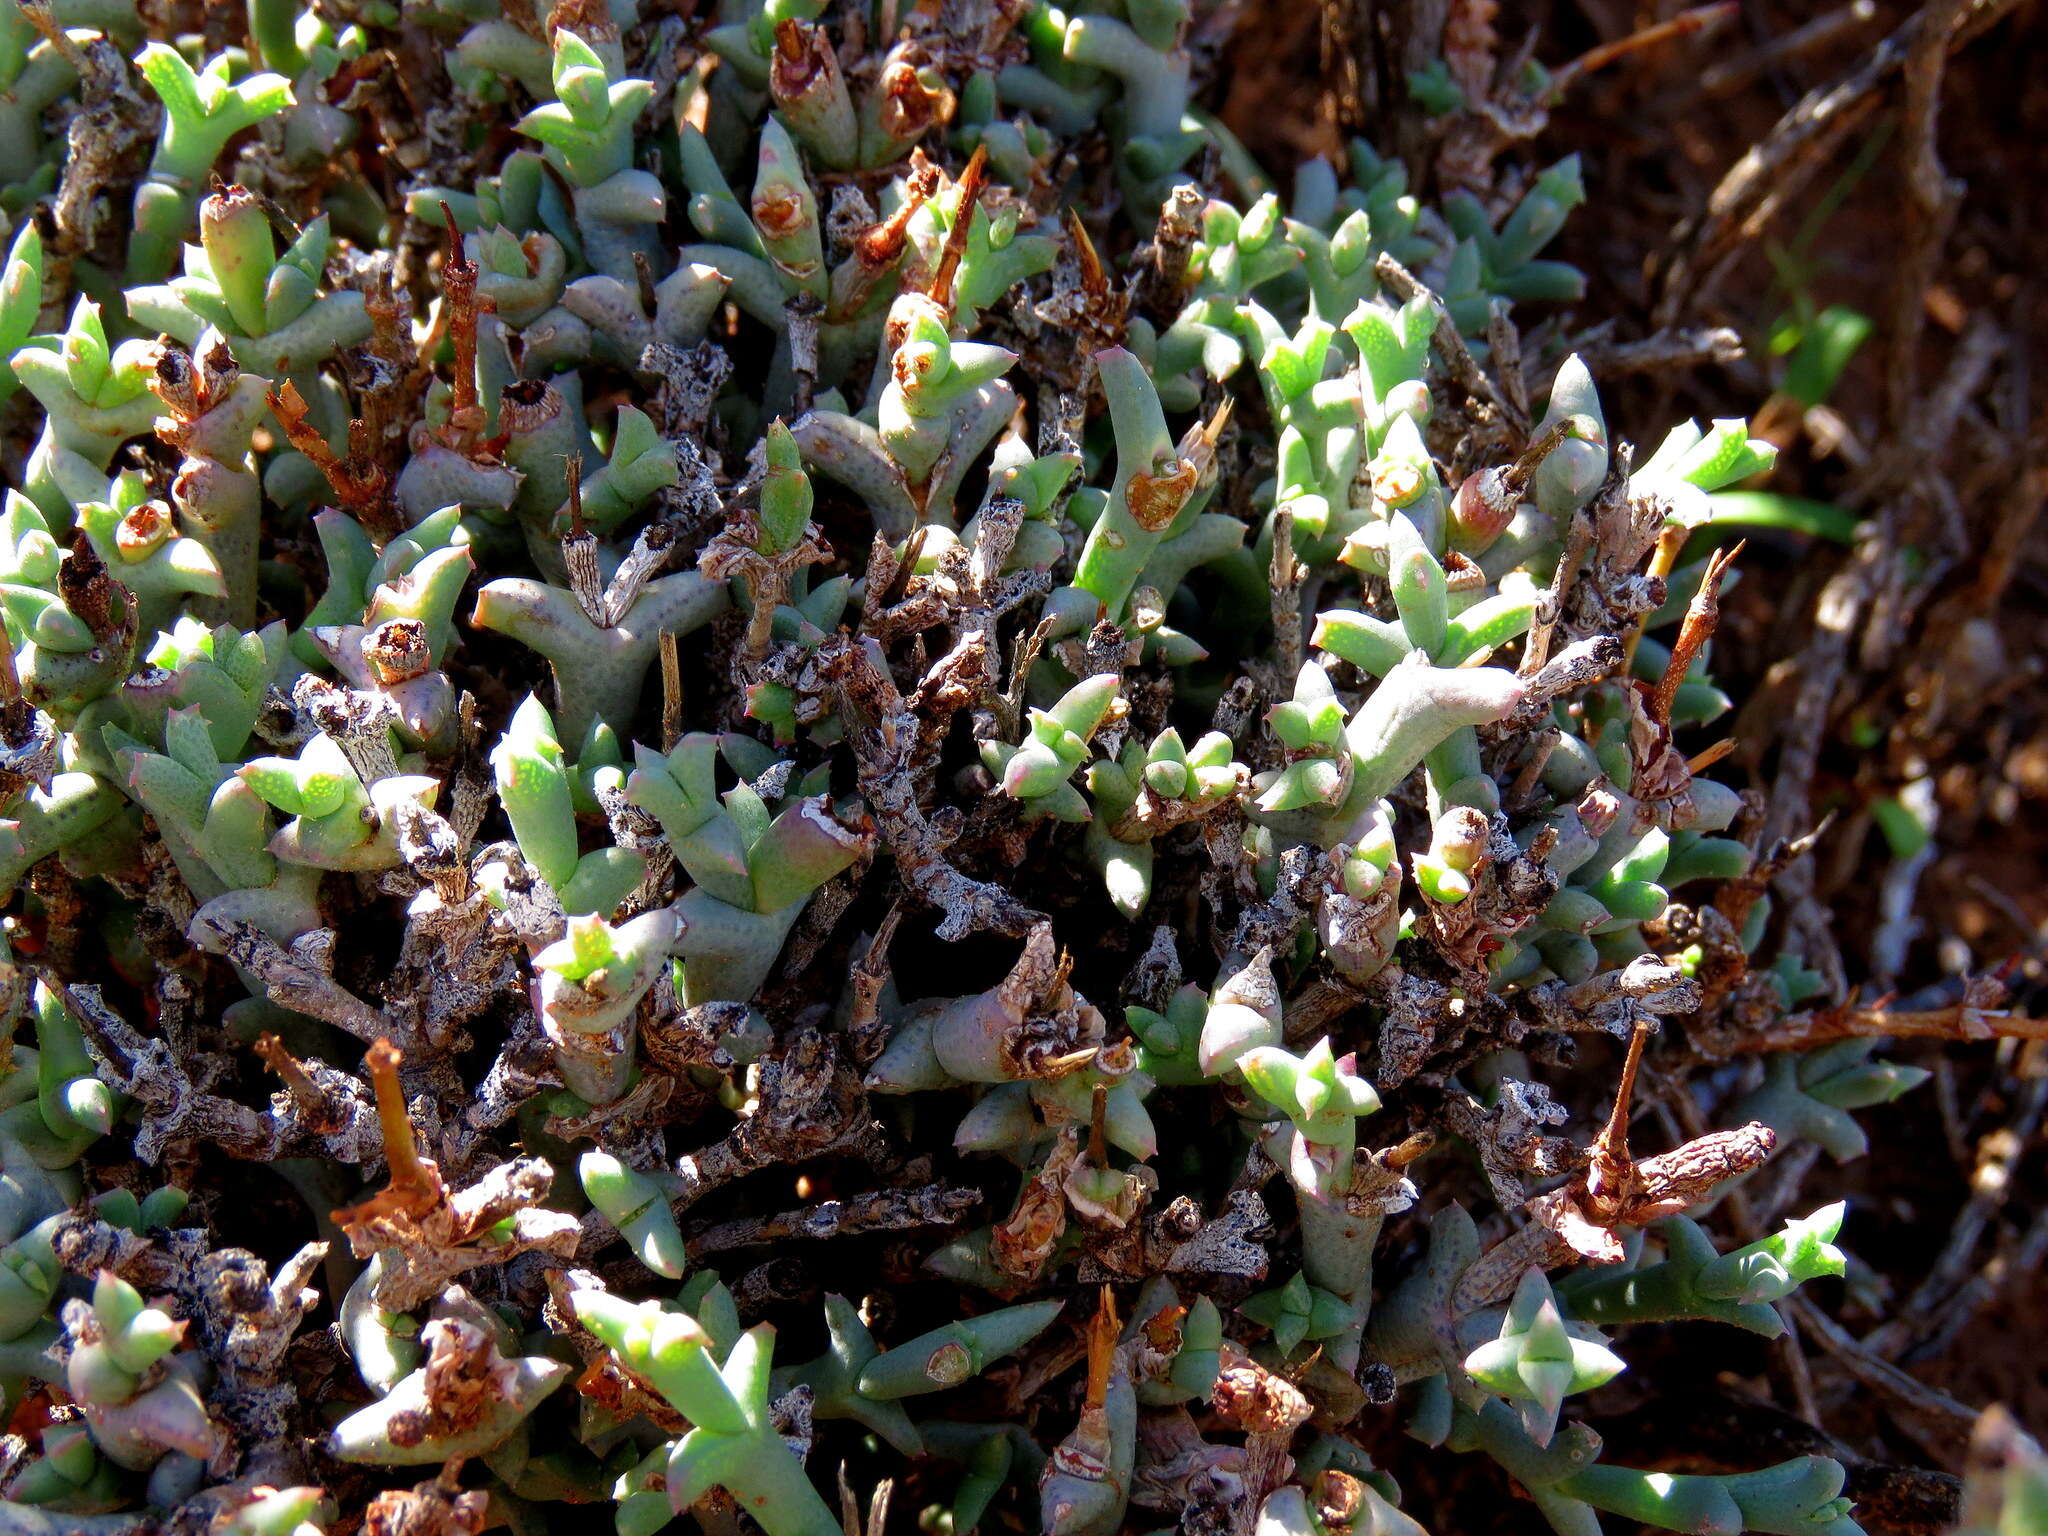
(1450, 345)
(1732, 74)
(1775, 170)
(1875, 1373)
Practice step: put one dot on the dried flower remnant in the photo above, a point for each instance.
(423, 1235)
(463, 1399)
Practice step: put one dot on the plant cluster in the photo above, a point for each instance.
(702, 635)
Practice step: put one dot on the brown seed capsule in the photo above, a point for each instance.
(527, 406)
(143, 529)
(1339, 1499)
(397, 651)
(911, 101)
(172, 381)
(1156, 500)
(1486, 501)
(91, 593)
(1483, 508)
(949, 1365)
(28, 747)
(801, 58)
(780, 214)
(1396, 485)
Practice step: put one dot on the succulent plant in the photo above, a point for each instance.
(203, 109)
(733, 1443)
(727, 648)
